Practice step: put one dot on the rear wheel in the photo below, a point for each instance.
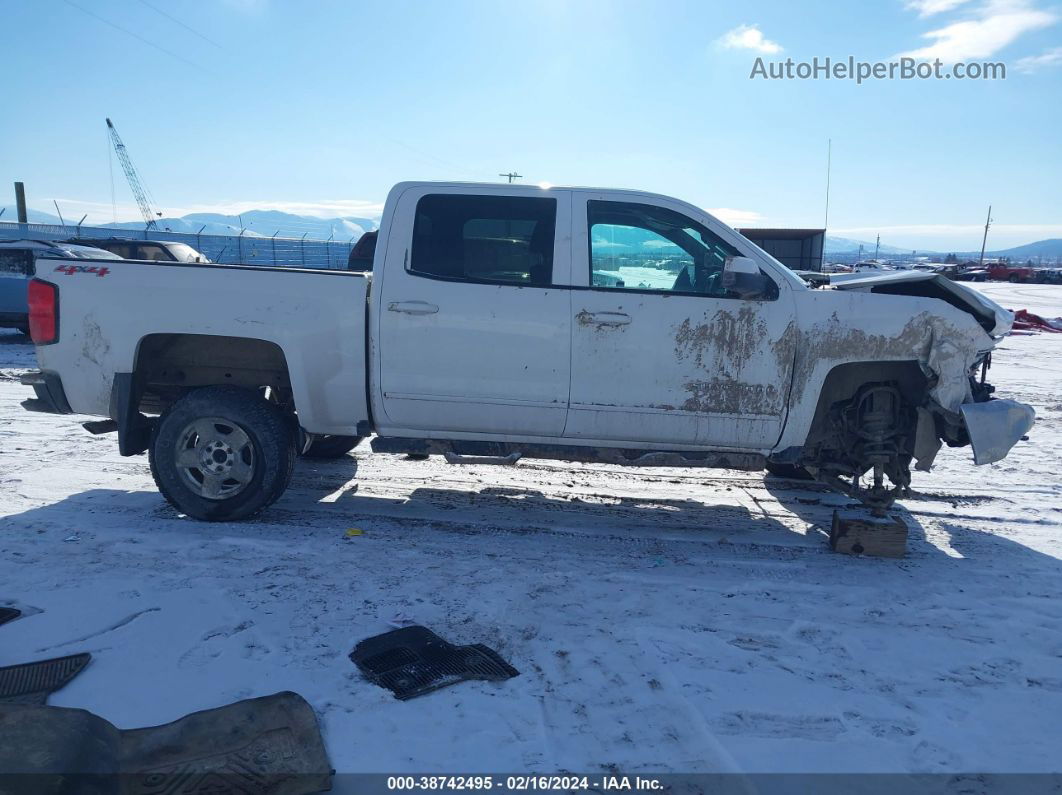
(332, 446)
(1014, 278)
(791, 471)
(222, 453)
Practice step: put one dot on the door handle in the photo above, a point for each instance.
(603, 318)
(412, 307)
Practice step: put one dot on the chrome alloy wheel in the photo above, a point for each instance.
(215, 458)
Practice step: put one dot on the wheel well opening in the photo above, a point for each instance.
(169, 365)
(844, 381)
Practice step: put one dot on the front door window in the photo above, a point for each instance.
(645, 247)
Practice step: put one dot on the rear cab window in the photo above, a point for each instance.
(485, 239)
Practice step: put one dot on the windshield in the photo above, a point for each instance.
(77, 252)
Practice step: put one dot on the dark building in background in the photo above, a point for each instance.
(797, 249)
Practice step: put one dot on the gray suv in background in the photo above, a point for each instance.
(153, 250)
(18, 265)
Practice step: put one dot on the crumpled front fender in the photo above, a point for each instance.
(995, 426)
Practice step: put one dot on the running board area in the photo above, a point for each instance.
(505, 461)
(464, 451)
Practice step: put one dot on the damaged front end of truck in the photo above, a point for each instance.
(868, 431)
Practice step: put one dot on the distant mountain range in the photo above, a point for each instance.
(258, 223)
(845, 245)
(263, 223)
(1041, 248)
(1049, 249)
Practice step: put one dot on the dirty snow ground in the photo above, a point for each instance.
(662, 620)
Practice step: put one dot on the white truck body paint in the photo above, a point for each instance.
(571, 362)
(316, 318)
(430, 331)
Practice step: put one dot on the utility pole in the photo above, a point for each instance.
(829, 156)
(512, 175)
(20, 202)
(984, 239)
(877, 246)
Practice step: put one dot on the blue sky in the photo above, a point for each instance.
(318, 107)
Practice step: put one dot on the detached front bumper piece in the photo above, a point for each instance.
(51, 399)
(995, 426)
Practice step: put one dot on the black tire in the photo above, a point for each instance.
(1014, 278)
(260, 457)
(417, 456)
(332, 446)
(790, 471)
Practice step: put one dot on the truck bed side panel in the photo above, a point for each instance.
(317, 318)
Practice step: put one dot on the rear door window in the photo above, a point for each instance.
(486, 239)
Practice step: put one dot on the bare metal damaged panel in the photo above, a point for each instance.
(995, 427)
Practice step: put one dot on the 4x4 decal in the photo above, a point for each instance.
(70, 270)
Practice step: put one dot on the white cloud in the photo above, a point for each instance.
(1033, 63)
(736, 218)
(991, 28)
(748, 37)
(927, 8)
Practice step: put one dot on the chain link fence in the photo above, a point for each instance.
(244, 249)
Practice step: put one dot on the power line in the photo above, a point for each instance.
(136, 36)
(186, 27)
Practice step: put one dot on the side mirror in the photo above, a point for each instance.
(741, 275)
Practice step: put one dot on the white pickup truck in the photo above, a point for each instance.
(502, 321)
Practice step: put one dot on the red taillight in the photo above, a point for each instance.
(43, 312)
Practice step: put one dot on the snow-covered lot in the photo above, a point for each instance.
(664, 620)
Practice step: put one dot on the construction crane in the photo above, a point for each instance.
(139, 191)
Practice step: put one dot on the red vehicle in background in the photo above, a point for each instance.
(1002, 272)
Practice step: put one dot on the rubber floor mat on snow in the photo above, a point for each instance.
(32, 683)
(412, 661)
(8, 614)
(261, 746)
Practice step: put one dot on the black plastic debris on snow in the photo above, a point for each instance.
(261, 746)
(412, 661)
(8, 614)
(32, 683)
